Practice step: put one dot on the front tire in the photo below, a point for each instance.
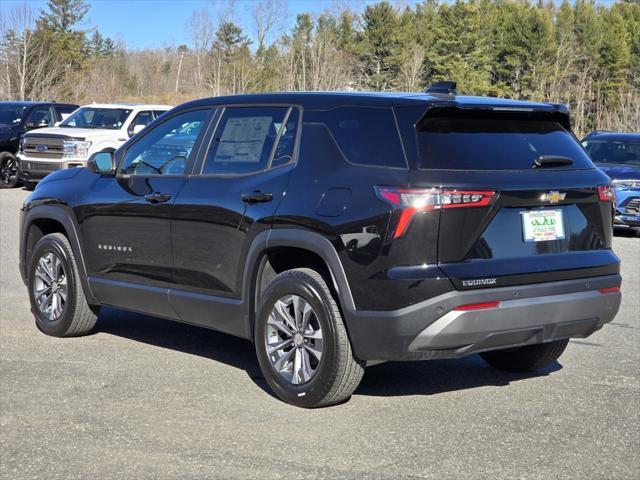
(302, 344)
(9, 176)
(526, 359)
(57, 299)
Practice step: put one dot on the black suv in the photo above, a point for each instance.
(17, 118)
(336, 230)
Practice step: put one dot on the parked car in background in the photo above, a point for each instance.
(337, 230)
(16, 118)
(90, 129)
(618, 155)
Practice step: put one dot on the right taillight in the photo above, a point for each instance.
(606, 193)
(414, 200)
(606, 290)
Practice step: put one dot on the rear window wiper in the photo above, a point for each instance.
(551, 161)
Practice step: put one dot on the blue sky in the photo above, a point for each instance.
(158, 23)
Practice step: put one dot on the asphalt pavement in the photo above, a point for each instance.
(143, 397)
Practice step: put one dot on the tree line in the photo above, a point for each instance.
(581, 53)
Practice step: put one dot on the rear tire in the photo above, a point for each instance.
(9, 175)
(326, 372)
(55, 291)
(526, 359)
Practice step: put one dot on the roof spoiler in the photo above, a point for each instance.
(443, 87)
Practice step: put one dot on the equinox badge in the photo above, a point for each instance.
(553, 196)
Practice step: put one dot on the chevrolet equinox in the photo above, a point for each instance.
(337, 230)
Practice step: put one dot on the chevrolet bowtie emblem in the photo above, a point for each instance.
(552, 197)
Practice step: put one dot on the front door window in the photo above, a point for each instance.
(166, 149)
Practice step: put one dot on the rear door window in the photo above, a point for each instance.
(64, 111)
(245, 139)
(141, 120)
(40, 117)
(367, 136)
(494, 142)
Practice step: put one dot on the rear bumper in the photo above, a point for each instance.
(527, 314)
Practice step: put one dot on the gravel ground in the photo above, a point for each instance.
(147, 398)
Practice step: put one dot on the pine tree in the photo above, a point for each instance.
(63, 15)
(379, 44)
(460, 49)
(58, 27)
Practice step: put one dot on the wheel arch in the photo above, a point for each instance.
(274, 251)
(42, 220)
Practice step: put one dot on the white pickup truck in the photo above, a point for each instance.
(90, 129)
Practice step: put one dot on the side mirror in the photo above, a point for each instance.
(103, 163)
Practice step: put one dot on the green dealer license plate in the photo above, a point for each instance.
(542, 225)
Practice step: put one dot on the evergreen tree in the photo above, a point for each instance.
(379, 44)
(460, 49)
(63, 15)
(58, 27)
(522, 48)
(615, 53)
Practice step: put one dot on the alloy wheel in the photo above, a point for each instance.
(294, 339)
(8, 171)
(50, 286)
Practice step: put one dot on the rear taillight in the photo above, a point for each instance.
(606, 193)
(604, 291)
(413, 201)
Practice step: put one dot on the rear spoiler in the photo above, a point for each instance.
(553, 112)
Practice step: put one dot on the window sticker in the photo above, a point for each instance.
(243, 139)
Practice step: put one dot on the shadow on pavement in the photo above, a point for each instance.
(626, 232)
(388, 379)
(181, 337)
(431, 377)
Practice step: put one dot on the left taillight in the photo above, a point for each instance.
(412, 201)
(606, 193)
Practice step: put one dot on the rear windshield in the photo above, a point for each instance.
(494, 143)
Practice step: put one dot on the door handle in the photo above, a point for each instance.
(256, 197)
(157, 197)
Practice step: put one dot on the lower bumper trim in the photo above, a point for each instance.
(527, 314)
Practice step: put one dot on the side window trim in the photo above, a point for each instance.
(277, 140)
(199, 167)
(193, 156)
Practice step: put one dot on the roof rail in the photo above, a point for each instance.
(447, 87)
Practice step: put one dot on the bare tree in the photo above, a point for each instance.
(266, 15)
(30, 70)
(5, 80)
(201, 32)
(412, 69)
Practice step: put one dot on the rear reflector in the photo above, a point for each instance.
(414, 200)
(609, 290)
(478, 306)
